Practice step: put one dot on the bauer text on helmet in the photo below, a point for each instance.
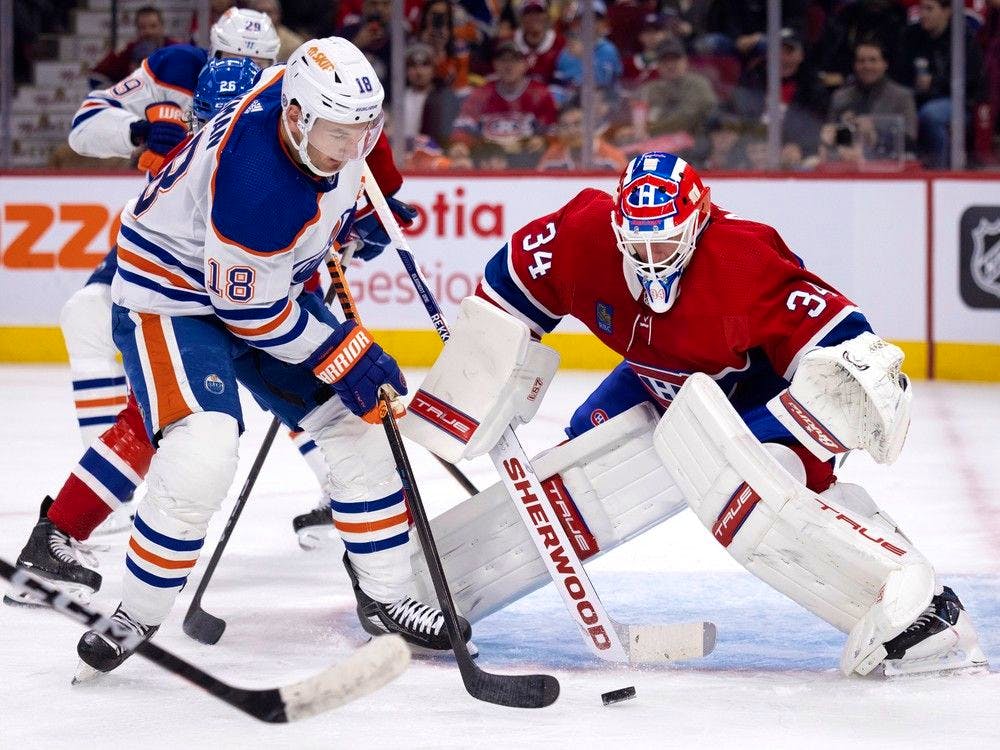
(241, 32)
(661, 206)
(332, 102)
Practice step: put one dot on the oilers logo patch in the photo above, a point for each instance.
(604, 314)
(214, 385)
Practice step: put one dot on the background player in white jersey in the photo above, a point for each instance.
(212, 257)
(117, 461)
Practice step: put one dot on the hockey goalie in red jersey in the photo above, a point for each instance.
(687, 294)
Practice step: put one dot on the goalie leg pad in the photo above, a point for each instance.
(853, 571)
(605, 486)
(489, 375)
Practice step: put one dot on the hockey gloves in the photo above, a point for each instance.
(372, 234)
(161, 131)
(357, 368)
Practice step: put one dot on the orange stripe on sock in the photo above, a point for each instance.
(170, 403)
(112, 401)
(157, 560)
(367, 526)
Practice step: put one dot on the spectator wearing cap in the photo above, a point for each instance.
(150, 36)
(679, 100)
(566, 147)
(290, 41)
(512, 110)
(872, 92)
(744, 22)
(568, 75)
(540, 43)
(870, 20)
(924, 64)
(803, 97)
(640, 67)
(431, 106)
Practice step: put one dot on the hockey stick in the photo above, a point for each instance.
(518, 691)
(200, 624)
(605, 637)
(370, 667)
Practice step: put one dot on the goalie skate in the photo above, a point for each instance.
(54, 556)
(942, 639)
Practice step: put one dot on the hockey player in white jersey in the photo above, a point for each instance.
(212, 257)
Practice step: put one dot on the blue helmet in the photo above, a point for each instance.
(221, 81)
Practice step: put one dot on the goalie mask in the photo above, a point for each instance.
(340, 98)
(661, 207)
(240, 32)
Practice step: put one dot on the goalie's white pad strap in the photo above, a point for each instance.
(606, 486)
(489, 375)
(845, 568)
(847, 396)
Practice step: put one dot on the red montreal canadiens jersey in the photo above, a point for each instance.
(747, 309)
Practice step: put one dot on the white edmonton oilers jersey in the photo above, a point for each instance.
(101, 126)
(232, 227)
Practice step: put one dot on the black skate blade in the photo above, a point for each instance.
(203, 626)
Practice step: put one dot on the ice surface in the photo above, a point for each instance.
(771, 683)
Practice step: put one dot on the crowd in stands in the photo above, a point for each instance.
(496, 84)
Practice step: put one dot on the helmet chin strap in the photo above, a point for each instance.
(301, 148)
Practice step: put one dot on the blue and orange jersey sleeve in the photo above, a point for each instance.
(530, 277)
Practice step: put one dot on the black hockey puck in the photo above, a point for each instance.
(617, 696)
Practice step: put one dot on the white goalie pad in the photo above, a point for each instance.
(606, 486)
(848, 396)
(856, 572)
(489, 375)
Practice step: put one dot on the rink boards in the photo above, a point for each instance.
(920, 255)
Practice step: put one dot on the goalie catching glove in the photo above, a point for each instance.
(358, 368)
(491, 374)
(848, 396)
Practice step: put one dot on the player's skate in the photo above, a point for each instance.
(420, 625)
(941, 639)
(315, 529)
(98, 655)
(55, 556)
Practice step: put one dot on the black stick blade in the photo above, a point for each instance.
(514, 691)
(203, 626)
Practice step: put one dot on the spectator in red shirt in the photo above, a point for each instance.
(512, 110)
(150, 36)
(540, 43)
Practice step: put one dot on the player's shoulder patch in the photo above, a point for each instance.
(261, 200)
(177, 66)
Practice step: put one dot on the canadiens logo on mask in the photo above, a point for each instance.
(649, 200)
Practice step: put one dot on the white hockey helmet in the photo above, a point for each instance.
(340, 96)
(244, 33)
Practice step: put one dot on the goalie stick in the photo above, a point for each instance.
(516, 691)
(605, 637)
(370, 667)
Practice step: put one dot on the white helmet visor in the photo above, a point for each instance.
(345, 142)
